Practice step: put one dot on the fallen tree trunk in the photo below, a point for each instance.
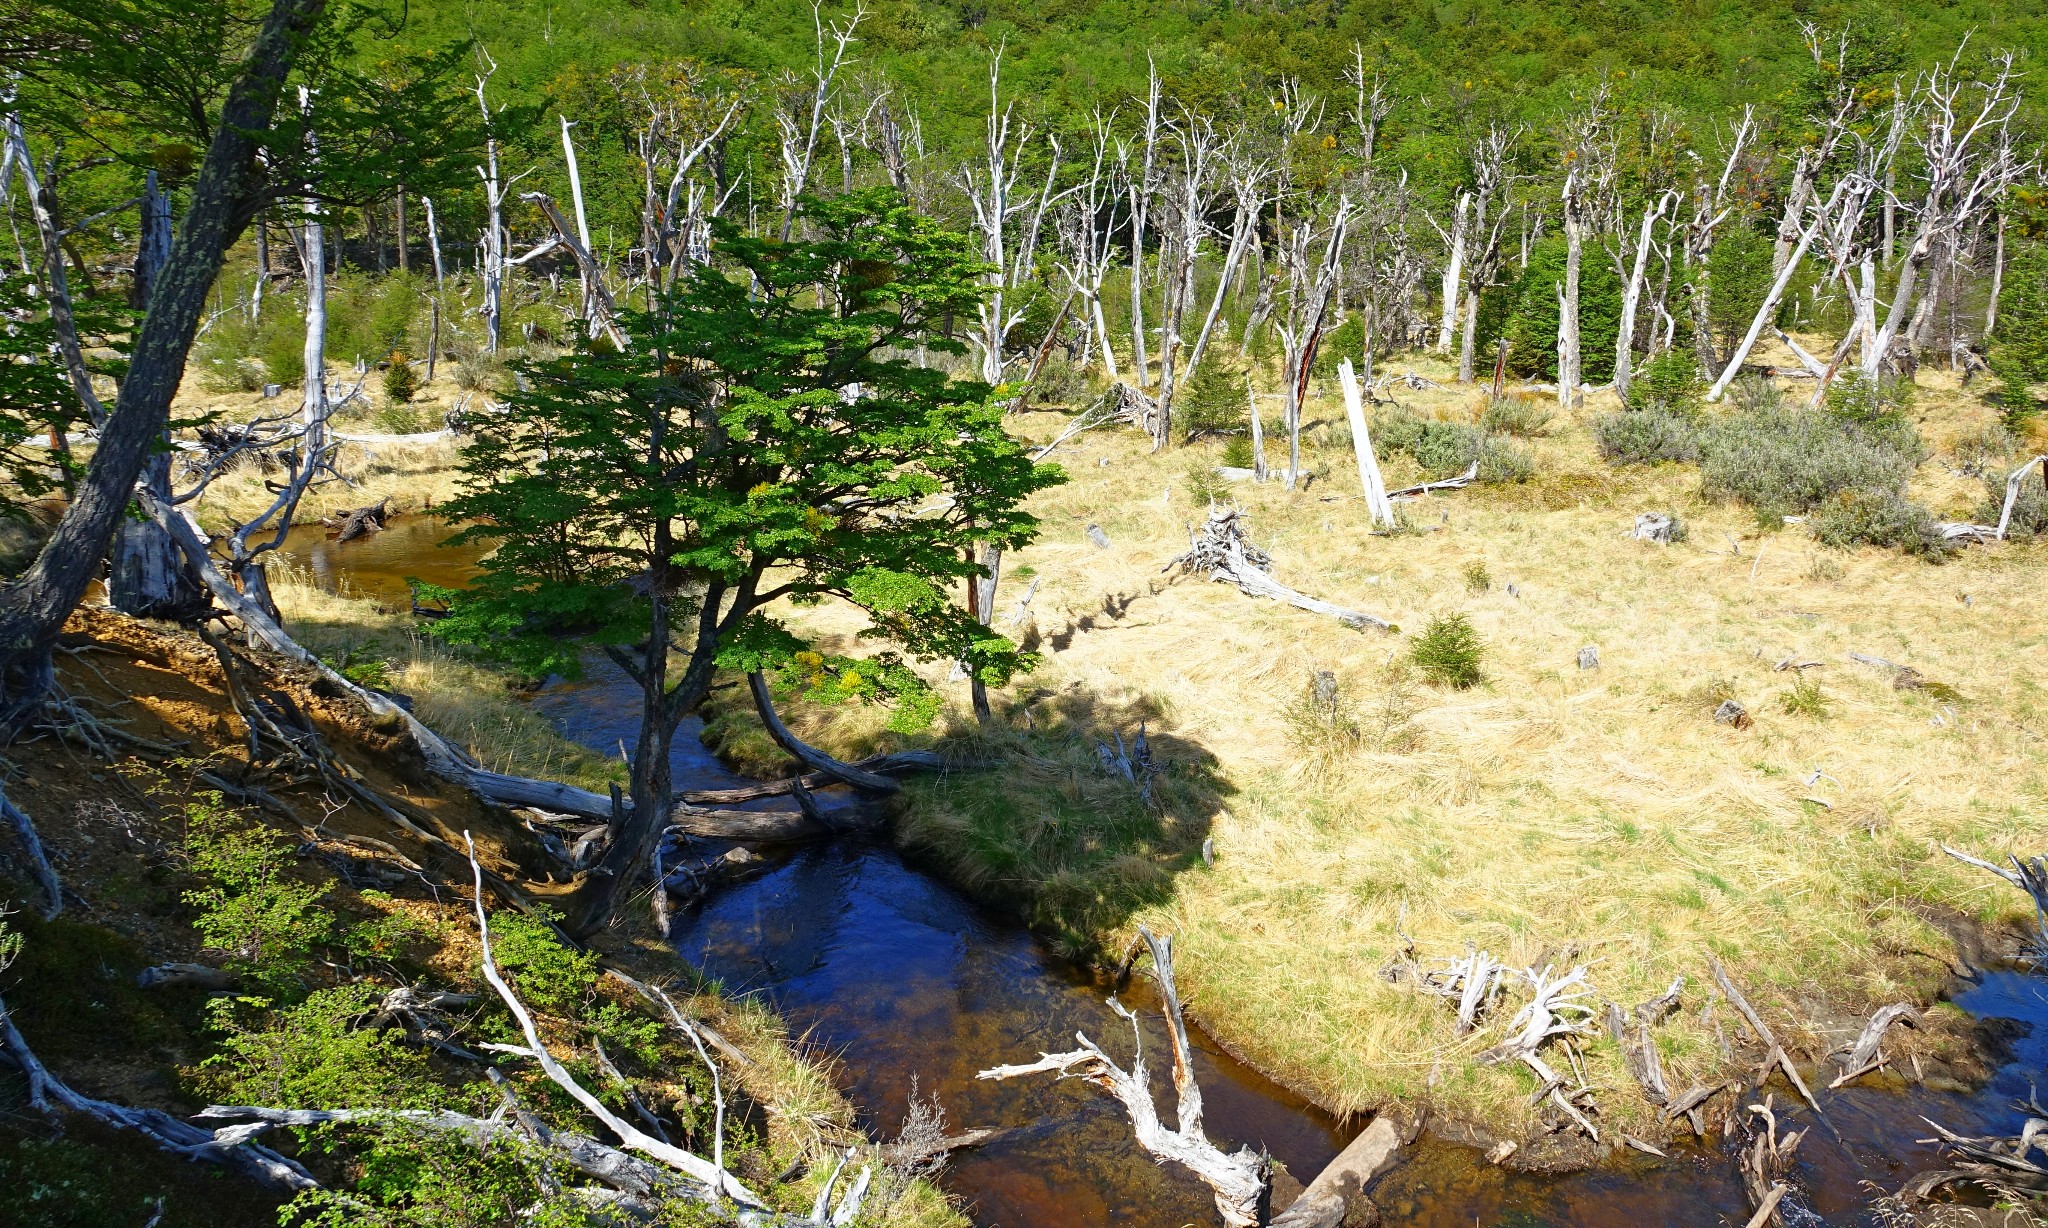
(1338, 1194)
(359, 522)
(902, 761)
(1222, 553)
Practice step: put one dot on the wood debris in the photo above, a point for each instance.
(1224, 554)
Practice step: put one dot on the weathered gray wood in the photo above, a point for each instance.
(1864, 1055)
(1339, 1191)
(39, 861)
(1775, 1054)
(1222, 553)
(183, 976)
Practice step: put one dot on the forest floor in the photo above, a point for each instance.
(119, 830)
(1551, 815)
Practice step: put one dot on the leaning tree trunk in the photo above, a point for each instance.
(225, 196)
(150, 578)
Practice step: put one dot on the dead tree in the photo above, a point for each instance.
(1223, 553)
(1085, 229)
(1492, 182)
(1588, 181)
(1240, 1181)
(1188, 200)
(1311, 278)
(1140, 186)
(1841, 108)
(1711, 206)
(687, 115)
(991, 186)
(801, 109)
(1247, 175)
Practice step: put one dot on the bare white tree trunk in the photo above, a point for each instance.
(1140, 189)
(1454, 273)
(1632, 294)
(1997, 280)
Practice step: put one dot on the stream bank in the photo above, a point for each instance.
(910, 984)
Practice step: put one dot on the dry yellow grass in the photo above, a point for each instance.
(1549, 815)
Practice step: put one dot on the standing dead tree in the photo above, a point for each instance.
(1248, 175)
(1140, 186)
(991, 187)
(1711, 206)
(1311, 278)
(1586, 197)
(1190, 193)
(1491, 182)
(801, 108)
(687, 114)
(1085, 228)
(1239, 1180)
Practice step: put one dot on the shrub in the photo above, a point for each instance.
(1477, 578)
(1739, 275)
(1445, 449)
(1986, 451)
(401, 382)
(1670, 381)
(1202, 482)
(1531, 322)
(1783, 460)
(1237, 452)
(1213, 402)
(1514, 415)
(312, 1055)
(223, 355)
(1347, 340)
(2019, 352)
(1448, 652)
(250, 908)
(1805, 699)
(1870, 517)
(1060, 383)
(1647, 436)
(281, 342)
(1322, 721)
(1881, 402)
(480, 371)
(549, 976)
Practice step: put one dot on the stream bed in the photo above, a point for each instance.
(913, 988)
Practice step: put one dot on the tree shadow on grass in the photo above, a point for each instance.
(1076, 825)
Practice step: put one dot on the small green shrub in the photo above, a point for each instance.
(1864, 517)
(1805, 699)
(1213, 402)
(1445, 449)
(1449, 652)
(281, 342)
(1202, 483)
(1985, 451)
(1237, 452)
(394, 935)
(1347, 340)
(1882, 402)
(1515, 415)
(313, 1055)
(1477, 578)
(265, 922)
(550, 977)
(480, 372)
(223, 355)
(1060, 383)
(1647, 436)
(401, 382)
(1322, 720)
(1670, 381)
(409, 1177)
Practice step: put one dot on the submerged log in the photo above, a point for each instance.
(359, 522)
(1338, 1194)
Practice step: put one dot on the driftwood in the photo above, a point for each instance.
(1864, 1055)
(2029, 875)
(1639, 1047)
(1222, 553)
(2012, 492)
(1474, 982)
(1998, 1163)
(1774, 1053)
(186, 976)
(1765, 1162)
(1460, 482)
(1652, 527)
(806, 754)
(1239, 1181)
(1554, 1009)
(1337, 1195)
(359, 522)
(1375, 486)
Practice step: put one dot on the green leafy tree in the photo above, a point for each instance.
(1739, 275)
(763, 436)
(36, 403)
(1531, 323)
(2019, 349)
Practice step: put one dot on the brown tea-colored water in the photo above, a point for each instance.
(378, 565)
(913, 986)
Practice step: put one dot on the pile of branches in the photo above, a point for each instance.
(1222, 552)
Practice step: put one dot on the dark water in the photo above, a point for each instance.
(376, 566)
(910, 984)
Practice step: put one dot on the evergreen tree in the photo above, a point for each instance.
(1531, 324)
(2019, 348)
(761, 438)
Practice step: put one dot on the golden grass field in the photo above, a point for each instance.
(1549, 815)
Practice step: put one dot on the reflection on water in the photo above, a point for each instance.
(377, 565)
(904, 979)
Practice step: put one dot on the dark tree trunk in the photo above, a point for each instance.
(225, 196)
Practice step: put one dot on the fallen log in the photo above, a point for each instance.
(39, 861)
(1222, 553)
(186, 976)
(2029, 875)
(1774, 1053)
(900, 762)
(1864, 1055)
(1460, 482)
(359, 522)
(1338, 1194)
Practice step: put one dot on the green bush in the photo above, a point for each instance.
(1449, 652)
(1237, 452)
(250, 908)
(401, 382)
(2019, 349)
(1782, 460)
(1213, 402)
(1531, 321)
(281, 342)
(1647, 436)
(409, 1177)
(224, 355)
(1869, 517)
(313, 1055)
(1347, 340)
(1881, 403)
(1670, 381)
(1738, 276)
(1515, 415)
(549, 977)
(1446, 449)
(1805, 699)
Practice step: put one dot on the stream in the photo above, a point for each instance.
(913, 988)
